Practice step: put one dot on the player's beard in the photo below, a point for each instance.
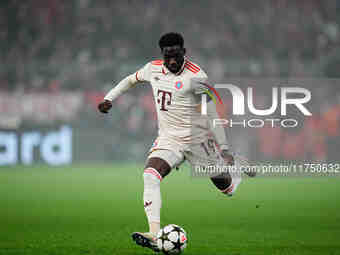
(175, 66)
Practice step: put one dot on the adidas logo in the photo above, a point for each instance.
(147, 204)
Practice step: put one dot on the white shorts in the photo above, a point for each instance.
(175, 154)
(204, 154)
(167, 155)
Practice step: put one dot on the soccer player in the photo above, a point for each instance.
(184, 134)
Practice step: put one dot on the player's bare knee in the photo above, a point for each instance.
(160, 165)
(222, 181)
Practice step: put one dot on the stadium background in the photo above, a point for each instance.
(58, 59)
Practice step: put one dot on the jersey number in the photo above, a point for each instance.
(164, 98)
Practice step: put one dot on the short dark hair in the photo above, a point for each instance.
(171, 39)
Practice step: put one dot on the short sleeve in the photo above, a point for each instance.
(143, 74)
(200, 84)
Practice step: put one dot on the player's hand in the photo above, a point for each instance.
(105, 106)
(228, 158)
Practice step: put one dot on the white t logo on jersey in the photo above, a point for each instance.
(162, 98)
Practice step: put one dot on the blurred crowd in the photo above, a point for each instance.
(47, 44)
(87, 46)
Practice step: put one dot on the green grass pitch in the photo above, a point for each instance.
(93, 209)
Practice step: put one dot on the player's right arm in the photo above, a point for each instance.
(128, 82)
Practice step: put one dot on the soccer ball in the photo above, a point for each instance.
(172, 239)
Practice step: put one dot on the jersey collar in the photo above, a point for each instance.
(166, 70)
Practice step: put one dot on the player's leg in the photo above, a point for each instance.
(208, 154)
(226, 183)
(155, 170)
(222, 181)
(158, 165)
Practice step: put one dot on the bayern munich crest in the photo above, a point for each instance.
(178, 85)
(154, 144)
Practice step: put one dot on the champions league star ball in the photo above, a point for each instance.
(172, 239)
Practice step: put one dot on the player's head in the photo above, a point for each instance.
(173, 52)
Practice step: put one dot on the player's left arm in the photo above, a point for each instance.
(218, 131)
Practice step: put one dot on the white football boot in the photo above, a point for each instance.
(147, 239)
